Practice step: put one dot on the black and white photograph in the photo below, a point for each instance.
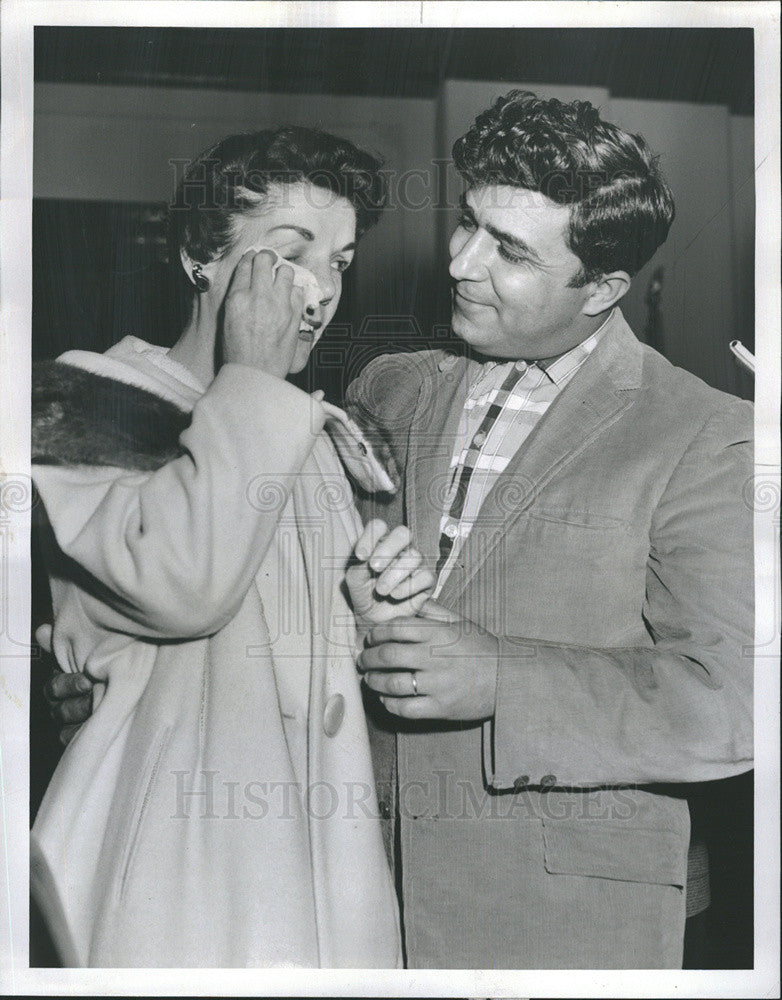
(389, 499)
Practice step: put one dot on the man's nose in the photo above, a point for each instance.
(469, 261)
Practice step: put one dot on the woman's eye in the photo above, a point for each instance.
(467, 223)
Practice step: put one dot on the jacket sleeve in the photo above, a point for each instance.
(172, 553)
(681, 710)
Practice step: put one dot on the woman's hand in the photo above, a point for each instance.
(387, 578)
(263, 315)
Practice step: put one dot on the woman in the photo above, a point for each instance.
(218, 808)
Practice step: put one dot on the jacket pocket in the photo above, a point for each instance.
(598, 849)
(151, 770)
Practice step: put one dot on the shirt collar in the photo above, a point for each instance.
(562, 367)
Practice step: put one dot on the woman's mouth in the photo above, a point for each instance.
(308, 333)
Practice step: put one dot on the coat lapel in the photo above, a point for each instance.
(433, 429)
(598, 395)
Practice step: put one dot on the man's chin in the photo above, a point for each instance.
(460, 326)
(471, 334)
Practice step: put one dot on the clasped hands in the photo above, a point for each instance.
(423, 661)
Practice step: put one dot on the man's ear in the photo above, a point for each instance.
(606, 292)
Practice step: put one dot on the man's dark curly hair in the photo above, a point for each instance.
(621, 206)
(226, 180)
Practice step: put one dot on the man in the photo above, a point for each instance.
(582, 502)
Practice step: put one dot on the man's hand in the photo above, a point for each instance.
(453, 662)
(387, 580)
(263, 314)
(69, 696)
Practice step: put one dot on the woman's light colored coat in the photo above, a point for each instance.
(218, 808)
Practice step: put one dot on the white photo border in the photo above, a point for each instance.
(19, 18)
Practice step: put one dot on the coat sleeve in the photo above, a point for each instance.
(681, 710)
(389, 388)
(173, 552)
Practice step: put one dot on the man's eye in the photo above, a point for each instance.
(341, 265)
(511, 257)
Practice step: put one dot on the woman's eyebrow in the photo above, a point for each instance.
(307, 234)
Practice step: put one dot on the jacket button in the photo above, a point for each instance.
(548, 780)
(385, 810)
(447, 363)
(333, 714)
(520, 783)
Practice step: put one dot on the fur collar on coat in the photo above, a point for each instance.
(82, 418)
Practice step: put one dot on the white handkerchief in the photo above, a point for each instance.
(302, 278)
(356, 451)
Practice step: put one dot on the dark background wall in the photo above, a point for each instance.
(115, 107)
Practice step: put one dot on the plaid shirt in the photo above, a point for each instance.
(505, 402)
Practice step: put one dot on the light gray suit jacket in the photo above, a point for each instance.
(613, 558)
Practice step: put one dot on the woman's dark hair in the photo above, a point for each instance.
(226, 180)
(621, 206)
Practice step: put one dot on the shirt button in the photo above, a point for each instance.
(479, 439)
(450, 530)
(333, 714)
(548, 780)
(521, 366)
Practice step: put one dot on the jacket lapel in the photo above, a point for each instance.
(433, 429)
(598, 395)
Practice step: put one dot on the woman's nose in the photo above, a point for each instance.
(327, 287)
(468, 257)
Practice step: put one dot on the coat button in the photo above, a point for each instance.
(548, 780)
(520, 783)
(333, 714)
(385, 810)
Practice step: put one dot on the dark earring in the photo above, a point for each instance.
(200, 279)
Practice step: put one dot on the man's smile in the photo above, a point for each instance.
(474, 302)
